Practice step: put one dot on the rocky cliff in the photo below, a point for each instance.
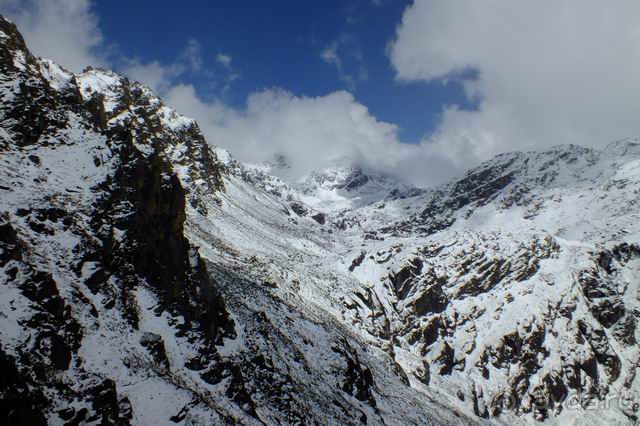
(148, 277)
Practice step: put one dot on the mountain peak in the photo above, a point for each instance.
(148, 278)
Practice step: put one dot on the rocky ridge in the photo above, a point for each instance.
(150, 277)
(110, 312)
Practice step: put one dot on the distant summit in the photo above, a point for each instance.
(148, 277)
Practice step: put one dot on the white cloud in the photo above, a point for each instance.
(160, 77)
(226, 73)
(309, 131)
(192, 55)
(548, 71)
(345, 46)
(224, 60)
(157, 76)
(330, 55)
(65, 31)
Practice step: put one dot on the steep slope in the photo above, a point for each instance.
(109, 312)
(147, 277)
(511, 292)
(341, 185)
(330, 194)
(516, 286)
(91, 240)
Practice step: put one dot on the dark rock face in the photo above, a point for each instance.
(22, 400)
(11, 249)
(404, 280)
(108, 410)
(56, 332)
(299, 208)
(155, 345)
(600, 286)
(431, 300)
(157, 248)
(34, 111)
(358, 380)
(477, 188)
(355, 180)
(319, 217)
(127, 229)
(357, 261)
(508, 180)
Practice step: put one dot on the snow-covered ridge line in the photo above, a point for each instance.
(107, 312)
(149, 277)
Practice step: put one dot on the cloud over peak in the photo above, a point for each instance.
(541, 73)
(546, 72)
(65, 31)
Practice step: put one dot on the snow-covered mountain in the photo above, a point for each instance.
(149, 277)
(328, 194)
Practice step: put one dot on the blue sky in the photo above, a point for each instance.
(280, 44)
(419, 89)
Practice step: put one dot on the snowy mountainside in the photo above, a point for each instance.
(342, 185)
(517, 282)
(327, 194)
(111, 313)
(513, 288)
(148, 277)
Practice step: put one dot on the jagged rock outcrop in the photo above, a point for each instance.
(148, 277)
(519, 278)
(92, 212)
(109, 311)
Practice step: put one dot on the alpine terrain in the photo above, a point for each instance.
(147, 277)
